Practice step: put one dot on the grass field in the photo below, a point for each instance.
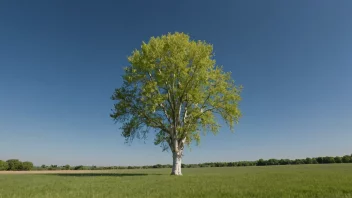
(272, 181)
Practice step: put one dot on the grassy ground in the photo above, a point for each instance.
(275, 181)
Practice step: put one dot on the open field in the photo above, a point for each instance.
(273, 181)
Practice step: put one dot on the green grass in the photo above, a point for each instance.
(274, 181)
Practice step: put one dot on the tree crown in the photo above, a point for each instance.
(174, 87)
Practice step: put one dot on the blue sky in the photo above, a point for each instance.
(61, 60)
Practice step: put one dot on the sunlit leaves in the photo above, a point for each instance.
(174, 86)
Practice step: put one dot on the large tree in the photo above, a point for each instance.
(174, 87)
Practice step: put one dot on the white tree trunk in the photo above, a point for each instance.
(176, 165)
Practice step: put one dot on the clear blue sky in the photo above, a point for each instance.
(61, 60)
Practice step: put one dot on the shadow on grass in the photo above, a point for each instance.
(101, 174)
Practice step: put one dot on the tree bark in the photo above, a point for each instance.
(176, 165)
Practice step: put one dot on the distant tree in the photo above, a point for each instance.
(314, 161)
(167, 166)
(203, 165)
(53, 167)
(298, 161)
(338, 159)
(240, 163)
(157, 166)
(67, 167)
(346, 159)
(284, 162)
(328, 160)
(43, 166)
(308, 161)
(27, 166)
(195, 166)
(273, 162)
(80, 167)
(174, 88)
(320, 160)
(20, 167)
(3, 165)
(261, 162)
(14, 164)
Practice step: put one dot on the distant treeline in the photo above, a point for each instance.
(15, 164)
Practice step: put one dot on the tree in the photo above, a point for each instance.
(3, 165)
(284, 162)
(27, 166)
(157, 166)
(66, 167)
(174, 88)
(298, 161)
(261, 162)
(314, 161)
(273, 162)
(338, 159)
(80, 167)
(320, 160)
(14, 164)
(308, 161)
(328, 160)
(346, 159)
(52, 167)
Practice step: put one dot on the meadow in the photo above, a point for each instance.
(330, 180)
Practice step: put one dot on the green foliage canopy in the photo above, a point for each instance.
(14, 164)
(174, 86)
(27, 165)
(3, 165)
